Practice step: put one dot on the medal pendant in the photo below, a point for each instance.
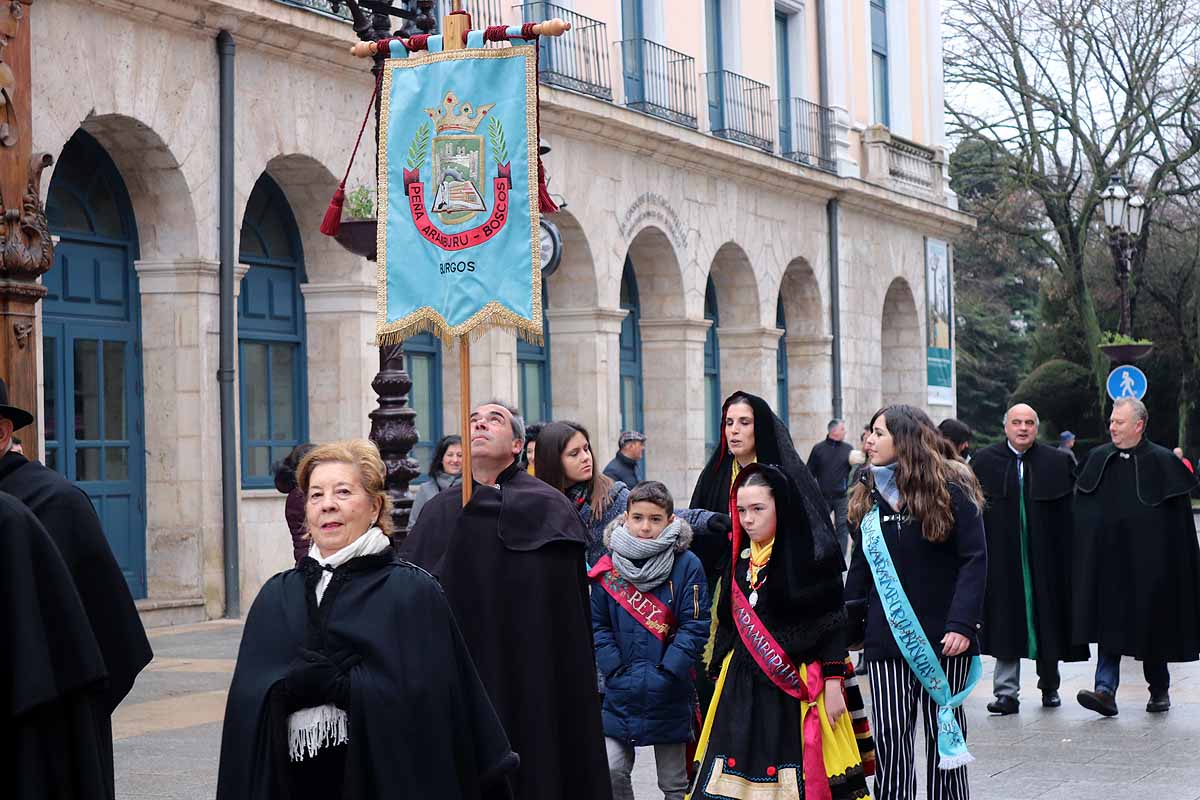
(746, 553)
(753, 598)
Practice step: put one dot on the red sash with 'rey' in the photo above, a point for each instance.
(776, 665)
(644, 607)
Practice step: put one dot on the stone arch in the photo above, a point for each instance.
(158, 189)
(747, 346)
(809, 353)
(575, 283)
(902, 373)
(308, 185)
(659, 274)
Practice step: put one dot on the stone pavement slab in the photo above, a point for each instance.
(168, 732)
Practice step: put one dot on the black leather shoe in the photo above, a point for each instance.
(1004, 706)
(1051, 699)
(1100, 702)
(1159, 702)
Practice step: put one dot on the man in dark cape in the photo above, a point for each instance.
(512, 565)
(419, 721)
(1137, 565)
(68, 516)
(52, 672)
(1027, 612)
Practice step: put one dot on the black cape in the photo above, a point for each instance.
(420, 724)
(68, 516)
(512, 565)
(53, 672)
(1136, 581)
(773, 445)
(1049, 486)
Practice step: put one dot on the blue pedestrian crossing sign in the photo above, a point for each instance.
(1127, 381)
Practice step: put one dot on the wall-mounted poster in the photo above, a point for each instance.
(939, 323)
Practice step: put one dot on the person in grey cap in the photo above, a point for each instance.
(1066, 442)
(631, 446)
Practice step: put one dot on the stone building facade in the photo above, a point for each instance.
(696, 246)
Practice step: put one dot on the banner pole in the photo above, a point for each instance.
(454, 29)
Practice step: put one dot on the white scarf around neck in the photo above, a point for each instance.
(310, 729)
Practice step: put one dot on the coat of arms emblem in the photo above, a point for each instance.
(459, 164)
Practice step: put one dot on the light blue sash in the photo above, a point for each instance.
(914, 646)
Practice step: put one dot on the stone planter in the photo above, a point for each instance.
(359, 237)
(1125, 353)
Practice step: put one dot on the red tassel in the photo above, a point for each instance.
(333, 215)
(545, 203)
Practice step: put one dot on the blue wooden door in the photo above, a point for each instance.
(92, 350)
(633, 55)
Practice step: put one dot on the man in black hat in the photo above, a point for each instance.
(631, 446)
(68, 516)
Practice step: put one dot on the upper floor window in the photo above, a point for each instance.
(879, 62)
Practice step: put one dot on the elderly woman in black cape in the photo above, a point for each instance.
(352, 680)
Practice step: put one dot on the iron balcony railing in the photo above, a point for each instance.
(577, 61)
(739, 109)
(659, 81)
(806, 133)
(483, 12)
(321, 6)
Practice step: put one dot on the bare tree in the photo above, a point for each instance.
(1068, 93)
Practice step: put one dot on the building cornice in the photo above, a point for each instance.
(282, 31)
(590, 119)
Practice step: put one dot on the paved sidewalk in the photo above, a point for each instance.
(168, 732)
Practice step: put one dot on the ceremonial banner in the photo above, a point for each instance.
(459, 238)
(938, 323)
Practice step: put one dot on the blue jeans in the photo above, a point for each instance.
(1108, 674)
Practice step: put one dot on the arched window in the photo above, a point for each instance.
(533, 371)
(712, 371)
(631, 352)
(423, 354)
(91, 349)
(781, 372)
(272, 368)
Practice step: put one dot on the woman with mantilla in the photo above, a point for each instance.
(778, 726)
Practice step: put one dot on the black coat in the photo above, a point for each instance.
(829, 462)
(512, 564)
(1049, 486)
(1137, 565)
(945, 582)
(52, 671)
(622, 469)
(420, 724)
(68, 516)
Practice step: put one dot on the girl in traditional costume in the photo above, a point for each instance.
(915, 592)
(779, 725)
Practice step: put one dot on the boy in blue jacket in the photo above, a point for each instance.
(650, 616)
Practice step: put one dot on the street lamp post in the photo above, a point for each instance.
(1124, 217)
(393, 422)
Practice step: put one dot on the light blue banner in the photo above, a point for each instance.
(458, 224)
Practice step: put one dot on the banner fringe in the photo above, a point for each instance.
(397, 335)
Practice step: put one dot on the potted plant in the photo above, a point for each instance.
(358, 231)
(1122, 349)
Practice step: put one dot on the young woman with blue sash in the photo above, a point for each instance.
(915, 596)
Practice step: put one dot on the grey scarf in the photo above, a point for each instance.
(645, 563)
(885, 484)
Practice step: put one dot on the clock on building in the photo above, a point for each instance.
(551, 241)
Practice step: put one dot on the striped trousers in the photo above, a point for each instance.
(895, 693)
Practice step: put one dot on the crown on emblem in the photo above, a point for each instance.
(450, 118)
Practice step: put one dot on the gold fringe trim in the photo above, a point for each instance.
(493, 314)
